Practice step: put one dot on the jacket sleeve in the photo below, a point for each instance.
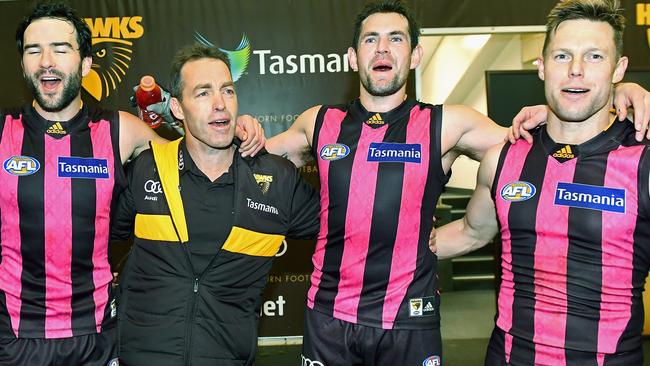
(124, 214)
(305, 208)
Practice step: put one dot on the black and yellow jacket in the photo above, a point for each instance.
(169, 315)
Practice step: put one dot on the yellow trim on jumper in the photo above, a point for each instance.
(155, 227)
(166, 156)
(250, 242)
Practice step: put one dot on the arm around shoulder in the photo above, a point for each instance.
(135, 136)
(294, 143)
(479, 225)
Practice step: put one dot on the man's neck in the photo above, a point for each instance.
(381, 104)
(64, 114)
(576, 133)
(212, 162)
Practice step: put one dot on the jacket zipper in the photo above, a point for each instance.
(198, 278)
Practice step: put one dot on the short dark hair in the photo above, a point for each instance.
(187, 54)
(57, 10)
(387, 6)
(608, 11)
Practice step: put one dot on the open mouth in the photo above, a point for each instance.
(382, 66)
(220, 122)
(575, 90)
(50, 82)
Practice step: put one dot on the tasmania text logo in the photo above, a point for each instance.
(76, 167)
(111, 52)
(517, 191)
(591, 197)
(643, 17)
(395, 152)
(21, 165)
(270, 63)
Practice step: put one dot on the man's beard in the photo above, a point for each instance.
(71, 88)
(395, 85)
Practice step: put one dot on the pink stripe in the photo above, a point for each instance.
(549, 356)
(328, 134)
(508, 346)
(618, 249)
(513, 165)
(551, 248)
(405, 251)
(600, 358)
(100, 135)
(363, 182)
(11, 266)
(58, 241)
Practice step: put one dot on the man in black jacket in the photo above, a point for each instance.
(207, 226)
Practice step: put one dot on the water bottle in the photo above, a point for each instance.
(148, 93)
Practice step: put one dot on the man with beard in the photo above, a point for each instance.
(383, 160)
(573, 209)
(62, 163)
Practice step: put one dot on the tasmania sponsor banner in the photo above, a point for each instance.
(286, 56)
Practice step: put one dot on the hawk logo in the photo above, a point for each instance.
(238, 58)
(111, 52)
(263, 181)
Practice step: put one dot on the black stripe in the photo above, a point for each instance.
(522, 217)
(31, 209)
(383, 228)
(83, 236)
(340, 172)
(584, 266)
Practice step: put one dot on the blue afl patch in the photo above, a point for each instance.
(518, 191)
(89, 168)
(331, 152)
(432, 361)
(21, 165)
(394, 152)
(591, 197)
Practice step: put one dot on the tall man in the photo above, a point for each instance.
(572, 208)
(62, 170)
(383, 161)
(208, 224)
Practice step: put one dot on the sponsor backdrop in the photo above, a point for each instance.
(287, 55)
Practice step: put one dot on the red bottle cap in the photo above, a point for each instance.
(147, 83)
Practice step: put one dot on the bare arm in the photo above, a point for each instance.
(134, 136)
(479, 225)
(467, 132)
(296, 141)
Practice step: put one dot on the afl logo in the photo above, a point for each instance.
(331, 152)
(21, 165)
(517, 191)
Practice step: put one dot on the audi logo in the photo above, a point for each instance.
(308, 362)
(153, 187)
